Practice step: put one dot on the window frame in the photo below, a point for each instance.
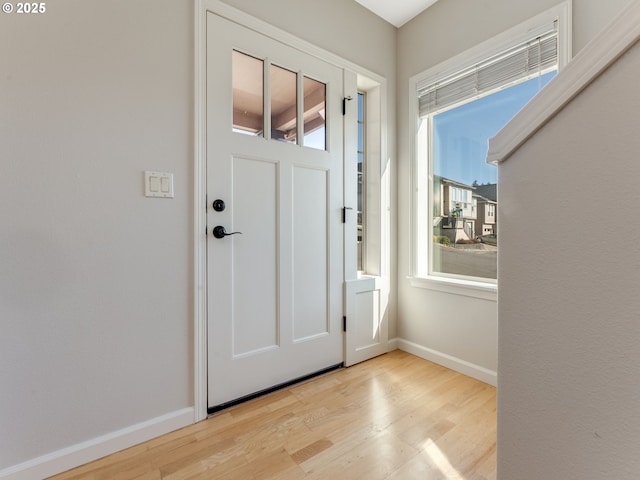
(421, 171)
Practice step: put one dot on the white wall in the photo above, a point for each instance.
(433, 322)
(96, 287)
(569, 313)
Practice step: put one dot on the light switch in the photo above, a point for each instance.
(164, 185)
(158, 184)
(154, 184)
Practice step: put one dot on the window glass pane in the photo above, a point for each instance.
(361, 181)
(248, 103)
(283, 104)
(314, 114)
(465, 197)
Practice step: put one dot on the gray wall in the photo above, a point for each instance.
(345, 28)
(95, 279)
(468, 331)
(569, 327)
(96, 285)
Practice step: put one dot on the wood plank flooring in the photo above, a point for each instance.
(396, 417)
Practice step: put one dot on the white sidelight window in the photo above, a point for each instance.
(362, 179)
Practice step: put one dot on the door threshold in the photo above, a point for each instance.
(251, 396)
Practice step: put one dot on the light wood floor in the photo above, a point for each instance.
(394, 417)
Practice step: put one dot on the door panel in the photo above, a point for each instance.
(367, 334)
(275, 290)
(310, 262)
(255, 273)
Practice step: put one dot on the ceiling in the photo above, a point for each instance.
(397, 12)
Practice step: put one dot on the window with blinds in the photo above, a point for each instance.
(459, 109)
(525, 60)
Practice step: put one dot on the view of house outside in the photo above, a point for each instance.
(464, 189)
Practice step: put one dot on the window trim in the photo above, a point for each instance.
(457, 286)
(466, 285)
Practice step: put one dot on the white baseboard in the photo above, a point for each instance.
(81, 453)
(472, 370)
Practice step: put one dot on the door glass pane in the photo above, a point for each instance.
(283, 104)
(248, 87)
(361, 180)
(314, 114)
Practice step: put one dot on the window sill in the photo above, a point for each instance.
(362, 275)
(371, 282)
(483, 291)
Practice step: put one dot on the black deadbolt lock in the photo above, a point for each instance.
(218, 205)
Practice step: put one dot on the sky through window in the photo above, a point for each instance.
(461, 134)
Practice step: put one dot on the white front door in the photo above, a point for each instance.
(274, 158)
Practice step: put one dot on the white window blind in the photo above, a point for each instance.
(518, 63)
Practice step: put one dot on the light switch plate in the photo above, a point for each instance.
(158, 184)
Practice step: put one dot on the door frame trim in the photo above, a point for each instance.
(200, 214)
(200, 161)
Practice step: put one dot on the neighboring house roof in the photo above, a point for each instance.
(453, 182)
(490, 191)
(482, 199)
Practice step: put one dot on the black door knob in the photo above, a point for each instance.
(220, 232)
(218, 205)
